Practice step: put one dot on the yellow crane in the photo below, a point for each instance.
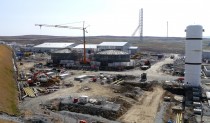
(83, 28)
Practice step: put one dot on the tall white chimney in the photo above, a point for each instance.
(193, 55)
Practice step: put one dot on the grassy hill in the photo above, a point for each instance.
(8, 88)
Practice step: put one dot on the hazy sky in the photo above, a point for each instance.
(104, 17)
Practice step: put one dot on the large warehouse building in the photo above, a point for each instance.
(122, 46)
(90, 48)
(133, 50)
(49, 47)
(113, 59)
(65, 56)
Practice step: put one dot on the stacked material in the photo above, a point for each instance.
(29, 91)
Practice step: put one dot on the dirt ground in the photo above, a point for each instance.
(144, 111)
(95, 90)
(5, 121)
(154, 73)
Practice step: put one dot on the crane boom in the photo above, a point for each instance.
(69, 27)
(58, 26)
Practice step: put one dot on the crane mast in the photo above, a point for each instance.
(83, 28)
(140, 25)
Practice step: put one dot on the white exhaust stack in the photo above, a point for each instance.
(193, 55)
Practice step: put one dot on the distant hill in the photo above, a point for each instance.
(36, 39)
(157, 44)
(41, 37)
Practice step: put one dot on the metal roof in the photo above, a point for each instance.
(88, 46)
(53, 45)
(112, 52)
(206, 50)
(63, 51)
(112, 43)
(133, 47)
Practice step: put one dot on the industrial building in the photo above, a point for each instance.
(65, 56)
(27, 48)
(122, 46)
(133, 50)
(112, 56)
(50, 47)
(113, 59)
(90, 48)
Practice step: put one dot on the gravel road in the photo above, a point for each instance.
(160, 114)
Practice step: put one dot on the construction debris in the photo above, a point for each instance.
(87, 105)
(29, 92)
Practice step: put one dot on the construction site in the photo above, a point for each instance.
(109, 83)
(106, 81)
(82, 92)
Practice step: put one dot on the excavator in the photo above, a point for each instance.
(42, 78)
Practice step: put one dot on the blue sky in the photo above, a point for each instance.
(104, 17)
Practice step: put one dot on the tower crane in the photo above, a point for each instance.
(140, 25)
(83, 28)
